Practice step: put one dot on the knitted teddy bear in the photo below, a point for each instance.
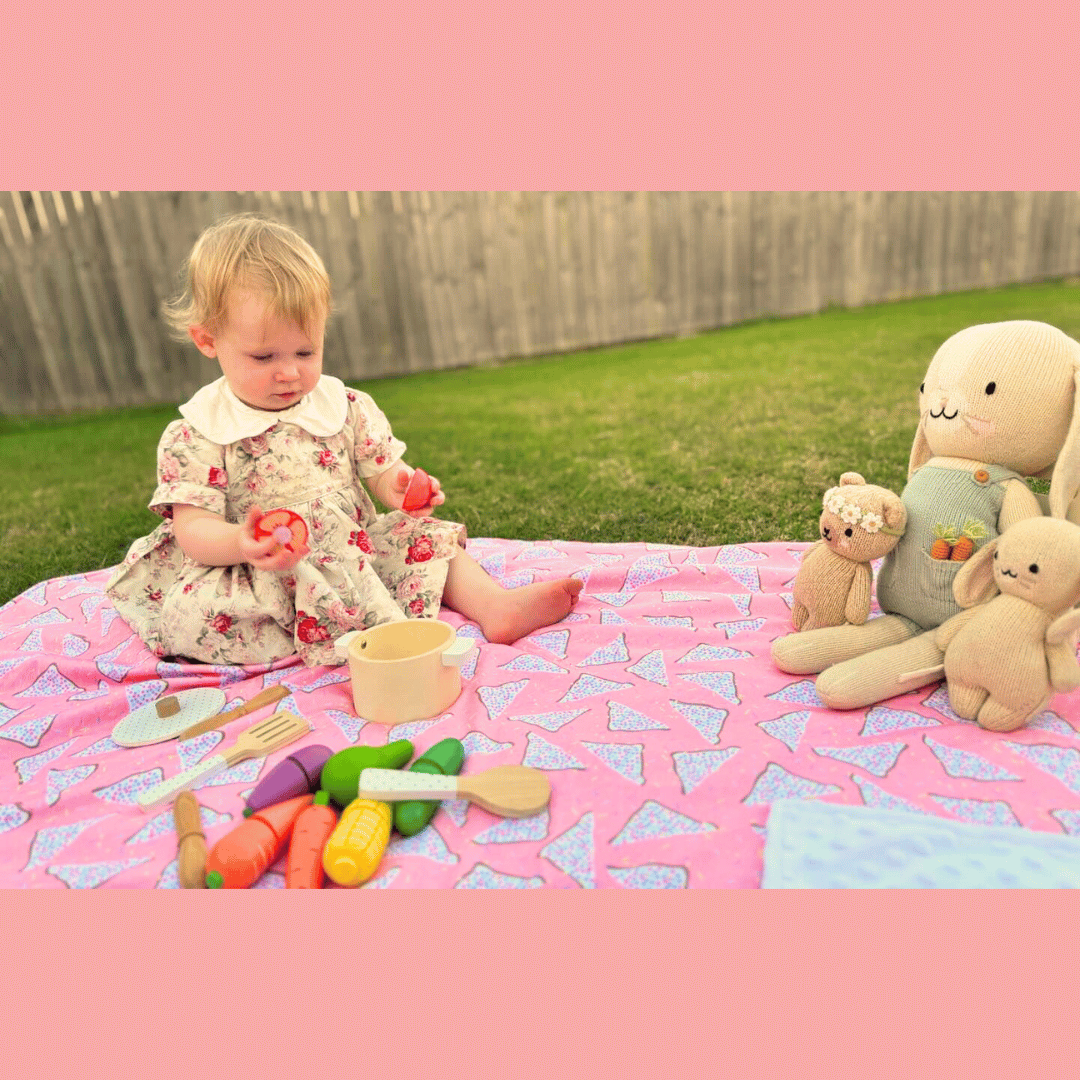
(1000, 402)
(1014, 645)
(859, 523)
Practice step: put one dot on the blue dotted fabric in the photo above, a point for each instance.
(817, 845)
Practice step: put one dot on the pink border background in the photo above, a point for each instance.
(326, 94)
(782, 94)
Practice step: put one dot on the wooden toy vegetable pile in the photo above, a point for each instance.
(296, 808)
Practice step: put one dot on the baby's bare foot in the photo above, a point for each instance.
(523, 610)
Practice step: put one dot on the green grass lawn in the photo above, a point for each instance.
(726, 437)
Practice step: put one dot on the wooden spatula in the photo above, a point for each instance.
(262, 738)
(508, 790)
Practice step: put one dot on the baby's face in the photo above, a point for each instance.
(268, 363)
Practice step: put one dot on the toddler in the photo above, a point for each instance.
(272, 433)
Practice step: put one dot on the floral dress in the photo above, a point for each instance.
(364, 568)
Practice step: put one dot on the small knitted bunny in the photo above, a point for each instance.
(859, 523)
(1015, 644)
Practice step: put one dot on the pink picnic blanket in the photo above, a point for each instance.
(654, 708)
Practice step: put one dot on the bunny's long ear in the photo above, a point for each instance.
(1065, 480)
(920, 448)
(974, 584)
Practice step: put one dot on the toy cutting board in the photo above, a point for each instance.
(144, 726)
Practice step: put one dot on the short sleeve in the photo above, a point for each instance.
(375, 448)
(191, 469)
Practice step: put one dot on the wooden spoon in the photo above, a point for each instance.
(507, 790)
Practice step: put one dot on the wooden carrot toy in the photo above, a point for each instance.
(190, 842)
(356, 846)
(310, 833)
(242, 856)
(509, 790)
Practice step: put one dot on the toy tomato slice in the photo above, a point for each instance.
(287, 528)
(418, 493)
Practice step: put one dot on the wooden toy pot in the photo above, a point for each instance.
(403, 671)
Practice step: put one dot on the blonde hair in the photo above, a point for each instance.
(254, 253)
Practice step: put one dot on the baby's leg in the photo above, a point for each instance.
(882, 674)
(811, 651)
(966, 701)
(505, 615)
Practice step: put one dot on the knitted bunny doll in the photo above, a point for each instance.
(1005, 658)
(999, 403)
(859, 523)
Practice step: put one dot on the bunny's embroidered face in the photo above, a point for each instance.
(1000, 393)
(1038, 560)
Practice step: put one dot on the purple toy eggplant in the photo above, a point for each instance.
(298, 774)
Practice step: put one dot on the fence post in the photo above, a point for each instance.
(131, 284)
(22, 265)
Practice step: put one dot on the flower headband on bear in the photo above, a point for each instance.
(852, 514)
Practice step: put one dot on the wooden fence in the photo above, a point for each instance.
(441, 279)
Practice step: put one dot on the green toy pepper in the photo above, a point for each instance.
(444, 757)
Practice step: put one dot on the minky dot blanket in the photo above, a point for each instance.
(655, 709)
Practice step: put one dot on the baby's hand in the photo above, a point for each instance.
(266, 553)
(398, 483)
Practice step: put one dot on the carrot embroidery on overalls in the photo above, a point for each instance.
(957, 544)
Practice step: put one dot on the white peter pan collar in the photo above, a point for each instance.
(223, 418)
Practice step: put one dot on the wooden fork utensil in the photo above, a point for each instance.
(262, 738)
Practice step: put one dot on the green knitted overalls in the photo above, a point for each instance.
(911, 583)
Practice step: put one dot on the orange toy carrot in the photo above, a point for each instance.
(310, 833)
(973, 530)
(942, 547)
(962, 549)
(241, 857)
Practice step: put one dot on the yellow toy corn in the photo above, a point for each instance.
(356, 846)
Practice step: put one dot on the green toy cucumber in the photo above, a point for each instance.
(341, 774)
(444, 757)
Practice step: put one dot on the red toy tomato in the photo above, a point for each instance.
(418, 493)
(287, 528)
